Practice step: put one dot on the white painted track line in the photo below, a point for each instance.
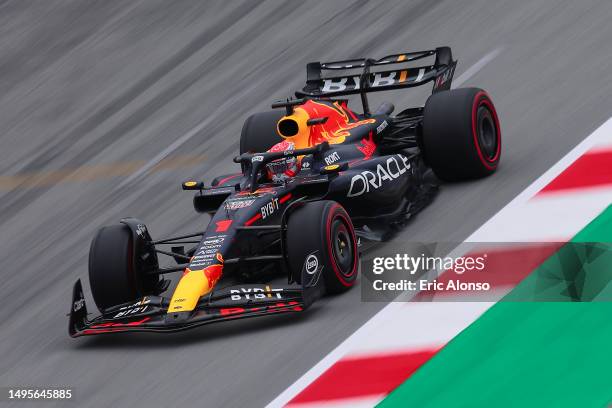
(474, 69)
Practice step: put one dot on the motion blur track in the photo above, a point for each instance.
(130, 85)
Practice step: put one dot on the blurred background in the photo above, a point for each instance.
(106, 106)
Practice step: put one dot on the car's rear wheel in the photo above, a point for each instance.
(114, 274)
(259, 131)
(320, 236)
(461, 137)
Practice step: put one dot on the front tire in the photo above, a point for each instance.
(114, 276)
(321, 235)
(461, 137)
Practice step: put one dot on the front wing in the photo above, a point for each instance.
(149, 314)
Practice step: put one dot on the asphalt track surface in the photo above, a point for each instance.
(105, 106)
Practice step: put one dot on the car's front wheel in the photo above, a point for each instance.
(114, 275)
(321, 238)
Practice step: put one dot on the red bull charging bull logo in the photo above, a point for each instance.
(336, 128)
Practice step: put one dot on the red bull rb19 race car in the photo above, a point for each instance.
(318, 183)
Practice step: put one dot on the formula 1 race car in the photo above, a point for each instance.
(318, 184)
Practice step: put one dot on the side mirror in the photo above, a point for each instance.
(193, 185)
(334, 168)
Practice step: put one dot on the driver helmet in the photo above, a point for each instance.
(283, 169)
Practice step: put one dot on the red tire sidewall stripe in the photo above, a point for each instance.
(330, 217)
(483, 98)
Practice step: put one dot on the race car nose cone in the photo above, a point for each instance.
(192, 286)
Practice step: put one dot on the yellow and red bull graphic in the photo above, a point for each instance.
(340, 120)
(194, 284)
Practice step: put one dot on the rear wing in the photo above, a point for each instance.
(440, 73)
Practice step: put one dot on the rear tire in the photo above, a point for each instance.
(461, 134)
(113, 275)
(259, 132)
(321, 233)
